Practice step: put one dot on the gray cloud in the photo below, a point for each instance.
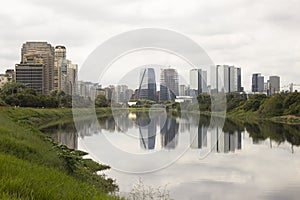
(259, 36)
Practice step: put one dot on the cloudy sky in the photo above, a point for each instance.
(256, 35)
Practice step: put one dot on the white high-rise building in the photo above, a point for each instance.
(227, 78)
(198, 81)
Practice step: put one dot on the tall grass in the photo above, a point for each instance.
(34, 167)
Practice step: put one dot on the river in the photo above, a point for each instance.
(192, 157)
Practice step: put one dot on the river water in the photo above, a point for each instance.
(192, 157)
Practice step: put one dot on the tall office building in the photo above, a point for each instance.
(274, 84)
(198, 81)
(65, 72)
(60, 69)
(168, 85)
(227, 78)
(31, 75)
(72, 78)
(35, 55)
(257, 83)
(183, 90)
(120, 94)
(238, 73)
(147, 84)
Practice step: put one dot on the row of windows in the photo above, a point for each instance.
(38, 69)
(29, 74)
(29, 79)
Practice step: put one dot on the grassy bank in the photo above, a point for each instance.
(253, 116)
(33, 166)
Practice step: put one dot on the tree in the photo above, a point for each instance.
(291, 104)
(272, 106)
(101, 101)
(11, 88)
(254, 102)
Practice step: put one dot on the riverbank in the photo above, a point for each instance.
(250, 116)
(33, 166)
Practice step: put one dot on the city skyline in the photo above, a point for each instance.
(247, 88)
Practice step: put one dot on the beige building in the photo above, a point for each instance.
(65, 73)
(34, 56)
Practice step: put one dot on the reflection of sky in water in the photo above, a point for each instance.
(241, 168)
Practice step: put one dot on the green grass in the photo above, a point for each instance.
(24, 180)
(32, 166)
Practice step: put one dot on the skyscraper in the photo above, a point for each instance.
(33, 56)
(198, 81)
(72, 78)
(168, 84)
(274, 84)
(60, 69)
(31, 75)
(228, 79)
(147, 84)
(183, 90)
(257, 83)
(65, 73)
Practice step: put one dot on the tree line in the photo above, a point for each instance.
(16, 94)
(265, 106)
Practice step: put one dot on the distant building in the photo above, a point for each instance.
(274, 84)
(65, 72)
(147, 84)
(182, 99)
(72, 72)
(35, 55)
(226, 78)
(120, 94)
(198, 81)
(257, 83)
(183, 90)
(31, 75)
(168, 84)
(60, 69)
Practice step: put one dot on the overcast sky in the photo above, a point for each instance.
(256, 35)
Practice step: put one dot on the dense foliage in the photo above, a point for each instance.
(262, 105)
(16, 94)
(101, 101)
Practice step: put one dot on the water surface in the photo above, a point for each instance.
(195, 159)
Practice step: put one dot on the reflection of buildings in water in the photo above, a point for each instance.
(184, 125)
(224, 142)
(169, 133)
(199, 137)
(88, 128)
(123, 123)
(66, 137)
(219, 141)
(110, 124)
(147, 131)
